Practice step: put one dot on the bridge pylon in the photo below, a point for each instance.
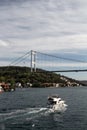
(33, 61)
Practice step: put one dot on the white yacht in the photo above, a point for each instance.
(56, 104)
(1, 89)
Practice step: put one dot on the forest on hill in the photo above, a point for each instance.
(23, 75)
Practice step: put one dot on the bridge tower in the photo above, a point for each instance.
(33, 61)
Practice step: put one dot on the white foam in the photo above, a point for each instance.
(28, 113)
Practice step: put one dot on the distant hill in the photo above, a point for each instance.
(15, 74)
(84, 82)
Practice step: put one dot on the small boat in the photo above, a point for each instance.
(1, 89)
(56, 104)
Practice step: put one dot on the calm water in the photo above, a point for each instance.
(26, 109)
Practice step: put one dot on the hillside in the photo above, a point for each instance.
(16, 74)
(84, 82)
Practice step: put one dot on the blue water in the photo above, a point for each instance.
(26, 109)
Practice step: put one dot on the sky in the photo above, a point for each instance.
(57, 27)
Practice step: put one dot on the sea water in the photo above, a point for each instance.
(26, 109)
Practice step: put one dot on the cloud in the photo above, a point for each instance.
(3, 43)
(72, 42)
(45, 18)
(40, 25)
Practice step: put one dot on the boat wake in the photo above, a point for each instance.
(25, 114)
(56, 105)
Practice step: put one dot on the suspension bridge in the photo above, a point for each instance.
(50, 63)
